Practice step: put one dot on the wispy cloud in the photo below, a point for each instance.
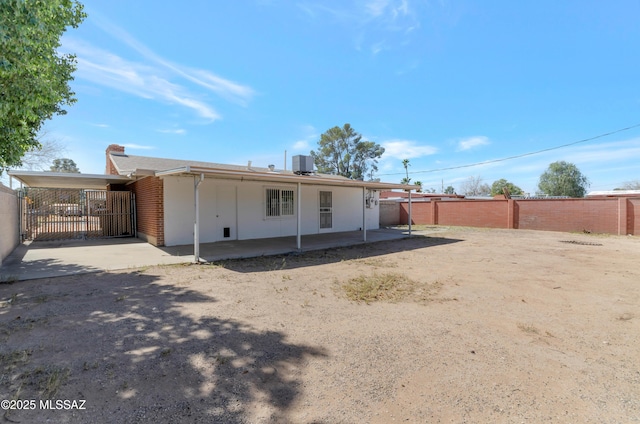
(310, 136)
(101, 125)
(318, 9)
(152, 77)
(107, 69)
(376, 8)
(179, 131)
(225, 88)
(613, 152)
(389, 22)
(138, 147)
(472, 142)
(406, 149)
(389, 9)
(301, 145)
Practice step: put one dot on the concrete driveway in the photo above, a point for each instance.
(33, 260)
(59, 258)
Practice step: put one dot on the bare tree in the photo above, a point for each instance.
(631, 185)
(473, 186)
(41, 159)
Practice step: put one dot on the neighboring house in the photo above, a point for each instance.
(190, 202)
(614, 193)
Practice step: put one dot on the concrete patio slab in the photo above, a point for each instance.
(54, 259)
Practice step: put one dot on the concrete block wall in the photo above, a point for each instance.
(389, 212)
(9, 221)
(149, 194)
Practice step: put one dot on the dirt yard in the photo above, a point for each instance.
(461, 326)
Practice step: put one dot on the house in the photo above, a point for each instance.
(240, 202)
(180, 202)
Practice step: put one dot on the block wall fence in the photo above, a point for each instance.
(9, 221)
(619, 216)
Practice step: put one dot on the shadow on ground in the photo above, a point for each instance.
(139, 350)
(41, 268)
(333, 255)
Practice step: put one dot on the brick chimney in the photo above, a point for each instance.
(113, 148)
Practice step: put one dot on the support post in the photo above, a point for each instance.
(299, 218)
(409, 213)
(196, 225)
(364, 214)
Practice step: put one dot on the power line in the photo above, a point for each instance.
(518, 156)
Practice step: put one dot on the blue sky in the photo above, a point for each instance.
(441, 83)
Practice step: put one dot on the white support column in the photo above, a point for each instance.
(409, 213)
(299, 217)
(196, 225)
(364, 214)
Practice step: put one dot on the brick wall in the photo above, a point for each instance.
(477, 213)
(633, 216)
(422, 214)
(603, 215)
(592, 215)
(149, 193)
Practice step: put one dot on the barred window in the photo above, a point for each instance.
(279, 203)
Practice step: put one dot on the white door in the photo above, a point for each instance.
(326, 210)
(226, 213)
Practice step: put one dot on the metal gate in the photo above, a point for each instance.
(59, 214)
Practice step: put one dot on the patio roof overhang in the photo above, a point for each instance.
(200, 173)
(277, 177)
(38, 179)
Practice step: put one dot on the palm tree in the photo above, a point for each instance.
(405, 163)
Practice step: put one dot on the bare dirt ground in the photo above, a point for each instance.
(483, 326)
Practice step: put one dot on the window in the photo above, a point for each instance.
(279, 203)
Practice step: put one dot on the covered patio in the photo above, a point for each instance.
(71, 257)
(238, 249)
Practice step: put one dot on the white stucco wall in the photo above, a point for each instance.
(178, 210)
(9, 219)
(240, 206)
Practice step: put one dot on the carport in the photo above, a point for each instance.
(63, 206)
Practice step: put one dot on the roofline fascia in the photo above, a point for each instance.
(262, 176)
(16, 173)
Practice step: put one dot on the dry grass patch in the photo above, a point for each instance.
(390, 287)
(528, 328)
(375, 262)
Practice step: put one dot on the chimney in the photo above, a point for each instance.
(113, 148)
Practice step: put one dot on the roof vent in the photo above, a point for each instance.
(302, 165)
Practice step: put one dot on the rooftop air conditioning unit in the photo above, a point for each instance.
(302, 165)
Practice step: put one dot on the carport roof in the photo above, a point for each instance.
(39, 179)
